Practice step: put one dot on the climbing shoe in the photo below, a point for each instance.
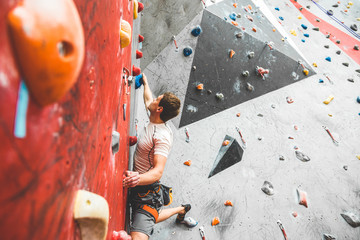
(180, 217)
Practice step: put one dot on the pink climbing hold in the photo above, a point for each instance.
(141, 38)
(132, 140)
(289, 100)
(120, 235)
(262, 71)
(140, 6)
(302, 197)
(136, 71)
(139, 54)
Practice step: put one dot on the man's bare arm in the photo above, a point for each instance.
(133, 179)
(148, 97)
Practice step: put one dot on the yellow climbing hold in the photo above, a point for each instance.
(350, 3)
(299, 17)
(292, 31)
(274, 30)
(330, 115)
(348, 6)
(358, 19)
(283, 39)
(358, 157)
(306, 72)
(314, 64)
(328, 100)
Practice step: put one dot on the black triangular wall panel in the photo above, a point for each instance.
(228, 155)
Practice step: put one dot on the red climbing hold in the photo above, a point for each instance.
(132, 140)
(140, 6)
(136, 71)
(141, 38)
(139, 54)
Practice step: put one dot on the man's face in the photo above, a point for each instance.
(154, 105)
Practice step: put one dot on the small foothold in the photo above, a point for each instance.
(235, 5)
(139, 54)
(330, 12)
(352, 219)
(357, 70)
(260, 115)
(338, 52)
(328, 59)
(273, 105)
(226, 142)
(345, 168)
(335, 5)
(316, 29)
(302, 157)
(294, 214)
(268, 188)
(306, 35)
(200, 87)
(318, 20)
(188, 163)
(308, 7)
(302, 197)
(289, 100)
(304, 26)
(356, 47)
(140, 6)
(187, 51)
(358, 157)
(354, 27)
(358, 99)
(306, 72)
(314, 64)
(262, 70)
(338, 41)
(141, 38)
(346, 64)
(301, 9)
(238, 114)
(234, 23)
(239, 35)
(232, 16)
(196, 31)
(231, 53)
(136, 71)
(250, 18)
(303, 40)
(321, 81)
(194, 68)
(350, 80)
(251, 54)
(299, 17)
(215, 221)
(209, 91)
(281, 18)
(228, 203)
(326, 46)
(259, 138)
(292, 31)
(327, 236)
(328, 36)
(281, 158)
(220, 96)
(245, 73)
(254, 29)
(274, 30)
(250, 87)
(328, 100)
(238, 15)
(277, 9)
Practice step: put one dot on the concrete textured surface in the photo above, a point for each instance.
(272, 128)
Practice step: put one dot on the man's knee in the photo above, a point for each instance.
(139, 236)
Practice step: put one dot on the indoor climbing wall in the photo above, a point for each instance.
(65, 83)
(266, 145)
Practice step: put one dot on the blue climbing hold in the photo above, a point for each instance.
(304, 26)
(306, 35)
(277, 9)
(232, 16)
(187, 51)
(225, 18)
(196, 31)
(303, 40)
(139, 81)
(328, 59)
(281, 18)
(321, 81)
(358, 99)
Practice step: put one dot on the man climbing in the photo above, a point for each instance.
(147, 194)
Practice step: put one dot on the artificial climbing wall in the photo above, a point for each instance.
(66, 144)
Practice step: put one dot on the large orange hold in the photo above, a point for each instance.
(48, 44)
(215, 221)
(125, 33)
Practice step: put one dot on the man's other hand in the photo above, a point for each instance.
(144, 78)
(131, 179)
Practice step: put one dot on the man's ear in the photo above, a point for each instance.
(160, 109)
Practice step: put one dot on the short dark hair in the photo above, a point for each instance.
(171, 106)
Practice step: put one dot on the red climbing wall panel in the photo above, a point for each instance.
(68, 144)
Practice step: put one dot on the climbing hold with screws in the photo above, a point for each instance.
(239, 35)
(302, 197)
(251, 54)
(267, 188)
(354, 27)
(328, 100)
(306, 35)
(231, 53)
(245, 73)
(301, 156)
(338, 52)
(220, 96)
(187, 51)
(345, 64)
(304, 26)
(200, 87)
(196, 31)
(228, 203)
(250, 87)
(232, 16)
(328, 59)
(289, 100)
(215, 221)
(188, 163)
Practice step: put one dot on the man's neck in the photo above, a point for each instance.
(155, 119)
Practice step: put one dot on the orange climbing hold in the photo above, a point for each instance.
(254, 29)
(274, 30)
(302, 196)
(226, 142)
(295, 214)
(250, 7)
(200, 87)
(215, 221)
(232, 53)
(228, 203)
(234, 23)
(238, 114)
(235, 5)
(48, 44)
(125, 34)
(187, 163)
